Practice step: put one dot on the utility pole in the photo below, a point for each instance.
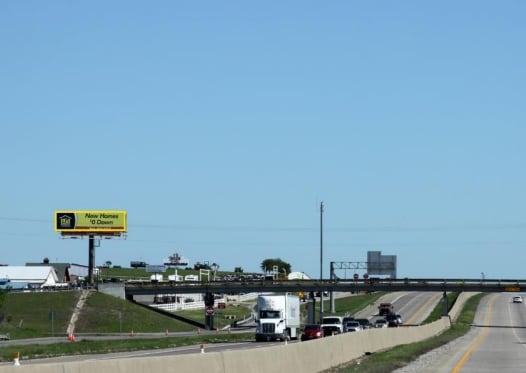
(321, 260)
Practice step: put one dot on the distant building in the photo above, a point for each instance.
(34, 276)
(61, 269)
(69, 273)
(298, 276)
(79, 272)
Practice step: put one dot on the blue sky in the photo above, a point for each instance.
(220, 127)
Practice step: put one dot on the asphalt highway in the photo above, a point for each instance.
(496, 343)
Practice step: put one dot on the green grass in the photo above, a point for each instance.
(349, 305)
(400, 356)
(104, 313)
(437, 311)
(85, 347)
(28, 315)
(239, 311)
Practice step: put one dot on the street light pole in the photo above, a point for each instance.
(321, 260)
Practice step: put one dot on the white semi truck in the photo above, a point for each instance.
(277, 317)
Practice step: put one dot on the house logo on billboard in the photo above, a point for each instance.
(66, 221)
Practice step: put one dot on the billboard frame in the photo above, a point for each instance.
(107, 223)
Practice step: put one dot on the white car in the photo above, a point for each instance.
(380, 323)
(517, 299)
(352, 326)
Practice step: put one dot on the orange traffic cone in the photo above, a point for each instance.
(132, 334)
(16, 359)
(166, 333)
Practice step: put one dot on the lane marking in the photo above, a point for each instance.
(423, 308)
(479, 340)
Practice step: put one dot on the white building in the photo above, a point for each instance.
(35, 276)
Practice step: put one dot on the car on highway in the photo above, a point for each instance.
(352, 326)
(329, 330)
(312, 331)
(385, 309)
(517, 299)
(380, 323)
(393, 320)
(329, 321)
(365, 323)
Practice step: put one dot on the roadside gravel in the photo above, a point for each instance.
(430, 362)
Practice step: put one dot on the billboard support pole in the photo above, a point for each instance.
(321, 261)
(91, 260)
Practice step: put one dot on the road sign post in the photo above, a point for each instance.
(209, 317)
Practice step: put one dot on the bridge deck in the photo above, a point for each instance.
(235, 287)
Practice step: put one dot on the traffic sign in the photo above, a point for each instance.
(209, 311)
(356, 276)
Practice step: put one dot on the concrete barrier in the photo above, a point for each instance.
(459, 304)
(312, 356)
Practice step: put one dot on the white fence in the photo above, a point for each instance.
(180, 306)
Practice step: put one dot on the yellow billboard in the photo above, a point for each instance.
(92, 221)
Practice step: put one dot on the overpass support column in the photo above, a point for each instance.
(333, 306)
(445, 308)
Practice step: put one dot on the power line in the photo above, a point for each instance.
(248, 228)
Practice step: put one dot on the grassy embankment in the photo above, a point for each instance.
(28, 315)
(400, 356)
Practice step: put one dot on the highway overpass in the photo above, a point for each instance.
(235, 287)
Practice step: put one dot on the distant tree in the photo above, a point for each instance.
(267, 265)
(198, 266)
(45, 260)
(238, 270)
(107, 264)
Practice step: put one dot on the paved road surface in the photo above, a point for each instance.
(496, 343)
